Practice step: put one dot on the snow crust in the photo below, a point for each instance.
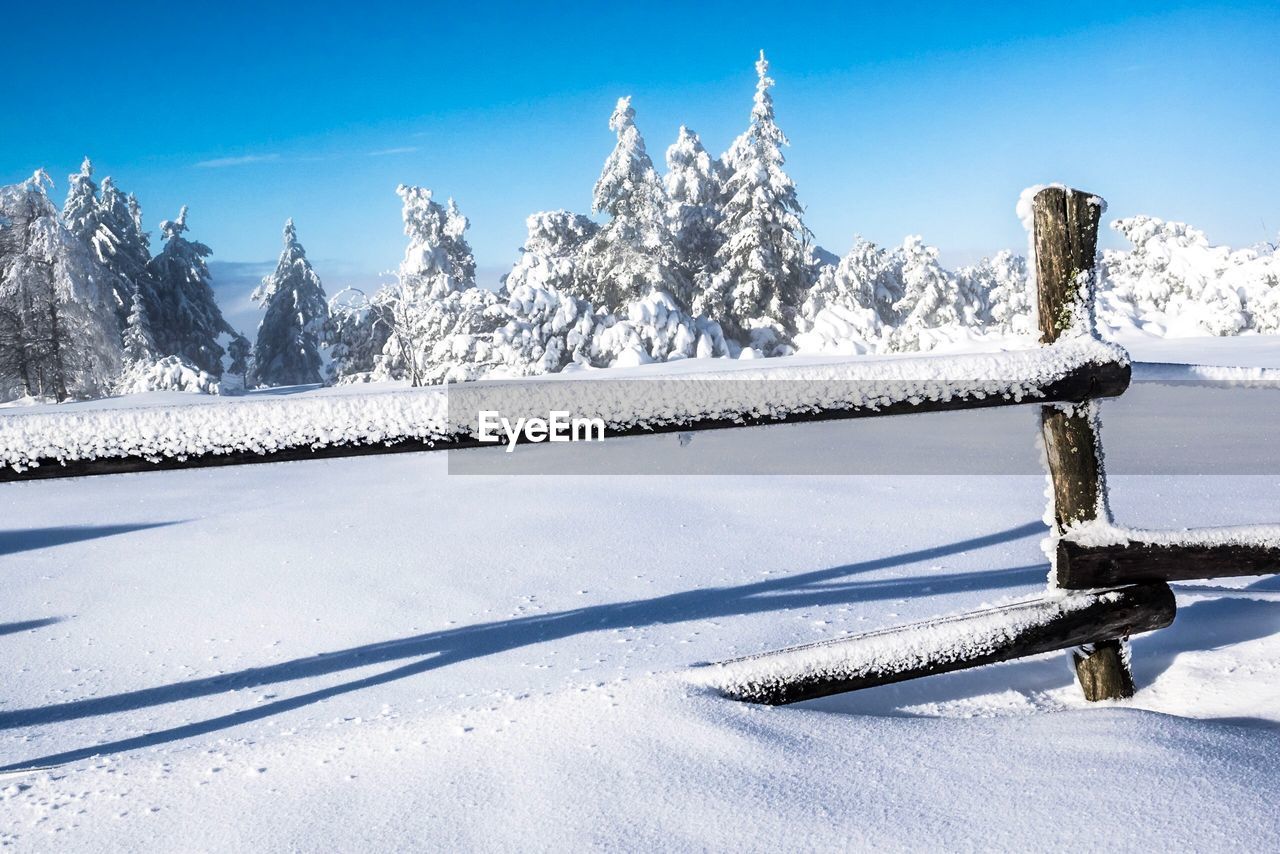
(372, 654)
(1102, 533)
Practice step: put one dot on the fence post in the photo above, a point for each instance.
(1066, 243)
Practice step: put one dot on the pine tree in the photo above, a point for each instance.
(356, 335)
(185, 318)
(58, 334)
(124, 248)
(80, 211)
(139, 346)
(288, 347)
(931, 297)
(436, 316)
(240, 351)
(635, 252)
(695, 185)
(764, 262)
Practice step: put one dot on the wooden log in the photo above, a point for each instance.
(1087, 567)
(1085, 383)
(1065, 234)
(1066, 244)
(1048, 624)
(1079, 482)
(1102, 671)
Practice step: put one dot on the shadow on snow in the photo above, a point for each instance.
(440, 649)
(30, 539)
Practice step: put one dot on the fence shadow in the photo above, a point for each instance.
(440, 649)
(29, 539)
(27, 625)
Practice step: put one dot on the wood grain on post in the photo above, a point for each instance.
(1065, 224)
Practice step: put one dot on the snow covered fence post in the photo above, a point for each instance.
(1065, 235)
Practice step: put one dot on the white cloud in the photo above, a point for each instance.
(219, 162)
(407, 149)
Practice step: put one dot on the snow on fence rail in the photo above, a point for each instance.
(120, 440)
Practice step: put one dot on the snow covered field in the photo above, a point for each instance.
(373, 654)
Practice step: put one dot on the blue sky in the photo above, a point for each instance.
(923, 119)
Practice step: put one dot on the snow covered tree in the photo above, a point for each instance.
(288, 347)
(123, 246)
(543, 329)
(435, 315)
(139, 346)
(635, 252)
(356, 334)
(654, 329)
(145, 371)
(764, 262)
(930, 296)
(1002, 285)
(58, 334)
(695, 184)
(552, 253)
(185, 318)
(80, 211)
(110, 224)
(869, 278)
(1174, 281)
(461, 260)
(543, 323)
(851, 305)
(240, 351)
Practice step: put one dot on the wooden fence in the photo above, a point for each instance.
(1093, 622)
(1122, 586)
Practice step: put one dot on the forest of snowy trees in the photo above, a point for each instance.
(709, 259)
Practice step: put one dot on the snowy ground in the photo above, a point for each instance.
(372, 653)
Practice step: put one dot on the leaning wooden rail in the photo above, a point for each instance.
(1048, 623)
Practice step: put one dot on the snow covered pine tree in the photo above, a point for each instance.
(58, 332)
(764, 262)
(288, 347)
(185, 318)
(438, 328)
(110, 224)
(695, 184)
(634, 253)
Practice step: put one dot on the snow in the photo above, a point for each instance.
(518, 690)
(1101, 533)
(372, 653)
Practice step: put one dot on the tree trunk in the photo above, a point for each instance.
(55, 345)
